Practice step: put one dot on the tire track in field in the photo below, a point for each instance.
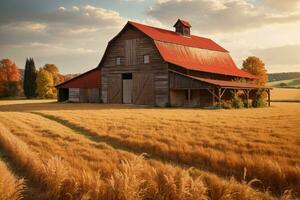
(121, 145)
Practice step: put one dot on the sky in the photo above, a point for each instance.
(73, 34)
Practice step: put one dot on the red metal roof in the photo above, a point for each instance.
(173, 37)
(230, 83)
(193, 53)
(200, 59)
(186, 23)
(89, 79)
(222, 83)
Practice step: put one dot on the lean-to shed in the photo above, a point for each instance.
(85, 88)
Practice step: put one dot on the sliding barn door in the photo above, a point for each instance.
(127, 91)
(114, 90)
(143, 89)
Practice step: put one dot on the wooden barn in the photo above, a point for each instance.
(146, 65)
(85, 88)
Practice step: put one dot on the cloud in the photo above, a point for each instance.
(283, 5)
(80, 31)
(213, 16)
(61, 8)
(281, 55)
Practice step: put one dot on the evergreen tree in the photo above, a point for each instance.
(26, 79)
(30, 79)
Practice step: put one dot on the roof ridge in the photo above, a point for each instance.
(168, 30)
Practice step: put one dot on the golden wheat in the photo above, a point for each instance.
(73, 166)
(11, 188)
(264, 141)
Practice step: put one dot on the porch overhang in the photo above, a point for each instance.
(218, 87)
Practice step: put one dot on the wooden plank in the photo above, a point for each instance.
(74, 94)
(83, 95)
(127, 91)
(114, 91)
(143, 89)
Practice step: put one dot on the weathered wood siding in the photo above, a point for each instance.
(143, 89)
(198, 98)
(74, 94)
(131, 46)
(180, 86)
(178, 81)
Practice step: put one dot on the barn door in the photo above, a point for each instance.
(127, 88)
(143, 89)
(114, 90)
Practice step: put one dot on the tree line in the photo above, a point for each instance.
(34, 84)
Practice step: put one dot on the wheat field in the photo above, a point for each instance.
(286, 94)
(94, 151)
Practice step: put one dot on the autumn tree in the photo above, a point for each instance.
(9, 78)
(49, 71)
(255, 66)
(29, 84)
(45, 84)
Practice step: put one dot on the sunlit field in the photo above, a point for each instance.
(286, 94)
(94, 151)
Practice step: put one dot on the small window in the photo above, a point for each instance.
(118, 61)
(127, 76)
(146, 59)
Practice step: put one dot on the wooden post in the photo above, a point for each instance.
(269, 97)
(213, 97)
(189, 96)
(247, 94)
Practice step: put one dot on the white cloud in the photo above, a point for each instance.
(61, 8)
(65, 35)
(75, 8)
(283, 5)
(212, 16)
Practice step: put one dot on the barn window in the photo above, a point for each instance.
(146, 59)
(118, 61)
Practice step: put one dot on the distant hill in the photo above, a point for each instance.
(70, 76)
(283, 76)
(285, 83)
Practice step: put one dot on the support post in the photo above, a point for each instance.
(189, 96)
(213, 97)
(247, 95)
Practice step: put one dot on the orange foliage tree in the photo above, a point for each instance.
(9, 78)
(255, 66)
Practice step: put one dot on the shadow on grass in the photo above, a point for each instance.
(152, 151)
(93, 136)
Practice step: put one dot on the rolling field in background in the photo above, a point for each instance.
(288, 83)
(285, 94)
(94, 151)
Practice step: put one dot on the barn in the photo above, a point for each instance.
(84, 88)
(146, 65)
